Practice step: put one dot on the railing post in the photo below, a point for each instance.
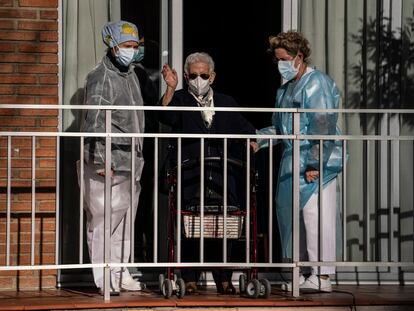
(155, 197)
(107, 204)
(179, 199)
(296, 206)
(320, 206)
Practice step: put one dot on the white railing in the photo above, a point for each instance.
(296, 137)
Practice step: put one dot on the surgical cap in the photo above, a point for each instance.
(115, 33)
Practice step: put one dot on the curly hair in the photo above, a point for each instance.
(293, 42)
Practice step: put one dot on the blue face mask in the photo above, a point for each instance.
(125, 56)
(287, 69)
(139, 54)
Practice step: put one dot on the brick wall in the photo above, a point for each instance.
(28, 75)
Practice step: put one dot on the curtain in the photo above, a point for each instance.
(82, 47)
(365, 46)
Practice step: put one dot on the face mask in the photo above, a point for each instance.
(287, 69)
(199, 86)
(125, 56)
(139, 54)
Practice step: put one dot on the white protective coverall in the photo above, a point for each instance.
(106, 85)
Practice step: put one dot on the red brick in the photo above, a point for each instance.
(22, 163)
(49, 36)
(47, 163)
(48, 59)
(39, 3)
(45, 152)
(35, 25)
(21, 142)
(49, 100)
(49, 79)
(7, 47)
(21, 206)
(17, 13)
(6, 283)
(6, 89)
(49, 224)
(17, 121)
(38, 47)
(37, 90)
(18, 58)
(49, 14)
(36, 129)
(20, 79)
(18, 35)
(37, 282)
(48, 272)
(38, 112)
(9, 112)
(6, 3)
(44, 174)
(47, 206)
(19, 100)
(47, 142)
(27, 153)
(46, 183)
(46, 237)
(49, 122)
(6, 24)
(38, 68)
(8, 273)
(17, 183)
(6, 68)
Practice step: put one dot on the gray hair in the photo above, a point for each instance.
(199, 57)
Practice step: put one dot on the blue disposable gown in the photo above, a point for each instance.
(314, 90)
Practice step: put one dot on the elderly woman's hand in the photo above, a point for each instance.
(311, 174)
(170, 76)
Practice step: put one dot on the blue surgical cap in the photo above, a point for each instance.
(115, 33)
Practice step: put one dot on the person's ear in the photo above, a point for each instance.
(212, 77)
(114, 50)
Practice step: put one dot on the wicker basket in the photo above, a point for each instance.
(213, 226)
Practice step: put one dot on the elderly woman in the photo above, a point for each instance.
(199, 74)
(306, 87)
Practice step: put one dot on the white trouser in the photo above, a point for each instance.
(311, 222)
(94, 196)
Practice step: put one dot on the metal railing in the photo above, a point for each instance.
(295, 137)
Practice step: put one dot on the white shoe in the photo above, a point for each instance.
(129, 284)
(316, 283)
(287, 287)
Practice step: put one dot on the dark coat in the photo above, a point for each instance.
(224, 122)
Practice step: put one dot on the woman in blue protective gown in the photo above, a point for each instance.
(306, 87)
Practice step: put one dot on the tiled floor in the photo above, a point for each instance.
(342, 296)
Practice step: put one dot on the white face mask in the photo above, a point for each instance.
(287, 69)
(199, 86)
(125, 56)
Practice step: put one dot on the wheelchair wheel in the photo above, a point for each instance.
(161, 279)
(180, 288)
(242, 283)
(265, 288)
(167, 288)
(253, 288)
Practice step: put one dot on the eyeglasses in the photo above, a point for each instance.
(204, 76)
